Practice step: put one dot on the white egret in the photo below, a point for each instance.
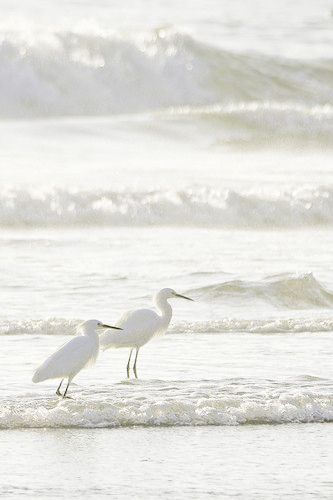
(76, 354)
(141, 325)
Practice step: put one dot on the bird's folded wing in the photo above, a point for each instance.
(136, 325)
(68, 359)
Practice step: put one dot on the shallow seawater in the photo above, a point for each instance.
(245, 462)
(188, 148)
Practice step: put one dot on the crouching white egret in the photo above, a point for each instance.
(140, 325)
(72, 357)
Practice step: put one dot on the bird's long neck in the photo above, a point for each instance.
(164, 308)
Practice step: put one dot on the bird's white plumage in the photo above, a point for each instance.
(69, 359)
(139, 326)
(72, 357)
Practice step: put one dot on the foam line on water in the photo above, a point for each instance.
(220, 326)
(157, 411)
(192, 207)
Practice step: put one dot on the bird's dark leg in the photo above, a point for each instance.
(58, 393)
(128, 364)
(134, 366)
(64, 395)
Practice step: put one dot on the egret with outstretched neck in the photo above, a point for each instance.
(141, 325)
(72, 357)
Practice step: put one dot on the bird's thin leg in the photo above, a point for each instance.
(128, 364)
(64, 395)
(134, 366)
(58, 393)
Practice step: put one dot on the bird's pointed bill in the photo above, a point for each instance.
(103, 325)
(183, 297)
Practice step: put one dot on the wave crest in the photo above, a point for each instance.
(130, 411)
(253, 122)
(287, 291)
(51, 326)
(259, 326)
(101, 73)
(188, 207)
(219, 326)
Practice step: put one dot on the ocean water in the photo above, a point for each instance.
(168, 144)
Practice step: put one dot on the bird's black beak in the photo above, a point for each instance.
(183, 297)
(103, 325)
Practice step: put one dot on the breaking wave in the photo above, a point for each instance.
(253, 122)
(189, 207)
(82, 73)
(51, 326)
(270, 325)
(283, 290)
(189, 408)
(260, 326)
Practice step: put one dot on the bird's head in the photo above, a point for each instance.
(94, 324)
(169, 293)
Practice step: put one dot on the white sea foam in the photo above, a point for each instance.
(281, 208)
(51, 326)
(260, 326)
(184, 409)
(260, 122)
(270, 325)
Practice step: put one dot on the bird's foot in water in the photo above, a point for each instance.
(58, 393)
